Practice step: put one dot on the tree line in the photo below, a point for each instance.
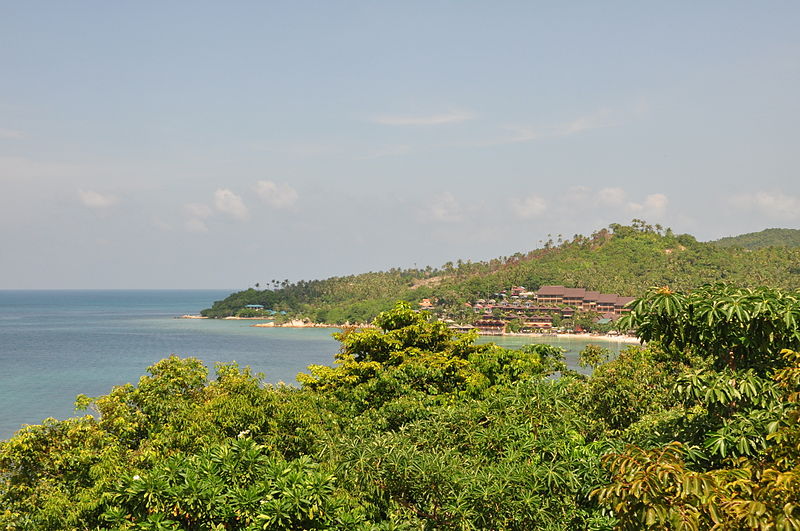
(623, 259)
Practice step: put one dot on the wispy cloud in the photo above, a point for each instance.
(529, 207)
(386, 151)
(96, 200)
(774, 205)
(654, 205)
(11, 134)
(444, 208)
(231, 204)
(299, 149)
(195, 225)
(20, 168)
(602, 118)
(196, 214)
(278, 195)
(197, 210)
(452, 117)
(611, 196)
(595, 120)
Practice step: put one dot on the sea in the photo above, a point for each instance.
(56, 344)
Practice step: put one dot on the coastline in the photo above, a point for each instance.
(230, 318)
(295, 323)
(584, 336)
(298, 323)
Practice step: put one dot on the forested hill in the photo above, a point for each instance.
(765, 238)
(623, 259)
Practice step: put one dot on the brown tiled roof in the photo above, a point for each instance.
(591, 295)
(607, 298)
(574, 292)
(622, 301)
(551, 290)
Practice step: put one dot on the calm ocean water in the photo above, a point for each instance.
(57, 344)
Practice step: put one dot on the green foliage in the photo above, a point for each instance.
(654, 489)
(515, 460)
(765, 238)
(234, 485)
(622, 259)
(593, 356)
(735, 327)
(416, 427)
(622, 392)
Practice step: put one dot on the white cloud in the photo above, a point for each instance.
(529, 207)
(653, 205)
(445, 209)
(774, 205)
(195, 225)
(452, 117)
(197, 210)
(611, 196)
(231, 204)
(92, 199)
(522, 134)
(278, 195)
(11, 134)
(160, 224)
(596, 120)
(578, 194)
(196, 214)
(386, 151)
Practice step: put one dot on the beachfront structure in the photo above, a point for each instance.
(619, 306)
(582, 299)
(490, 325)
(590, 301)
(561, 300)
(574, 297)
(539, 321)
(550, 294)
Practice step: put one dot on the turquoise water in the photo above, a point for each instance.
(57, 344)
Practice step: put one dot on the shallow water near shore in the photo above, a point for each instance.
(55, 345)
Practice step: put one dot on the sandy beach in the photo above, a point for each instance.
(583, 336)
(295, 323)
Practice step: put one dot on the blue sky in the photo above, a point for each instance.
(211, 144)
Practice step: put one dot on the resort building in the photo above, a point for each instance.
(583, 299)
(490, 325)
(551, 294)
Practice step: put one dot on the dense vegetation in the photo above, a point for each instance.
(765, 238)
(621, 259)
(416, 427)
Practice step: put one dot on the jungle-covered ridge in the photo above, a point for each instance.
(623, 259)
(764, 238)
(417, 427)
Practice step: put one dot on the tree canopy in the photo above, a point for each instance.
(623, 259)
(416, 427)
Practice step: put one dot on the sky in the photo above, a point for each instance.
(197, 144)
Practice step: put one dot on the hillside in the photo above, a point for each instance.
(765, 238)
(621, 259)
